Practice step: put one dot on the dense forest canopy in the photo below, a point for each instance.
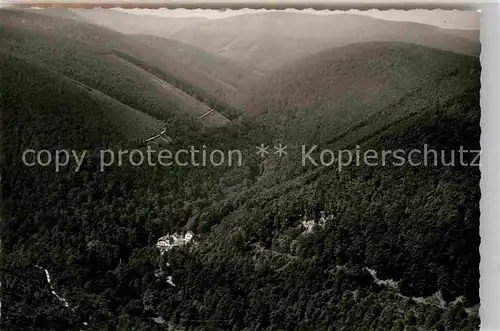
(392, 248)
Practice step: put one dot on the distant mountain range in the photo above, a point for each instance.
(270, 40)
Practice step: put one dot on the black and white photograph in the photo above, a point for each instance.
(241, 170)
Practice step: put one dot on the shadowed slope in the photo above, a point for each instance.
(328, 92)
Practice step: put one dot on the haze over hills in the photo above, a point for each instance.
(136, 24)
(268, 40)
(230, 72)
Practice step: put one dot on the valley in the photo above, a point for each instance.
(265, 245)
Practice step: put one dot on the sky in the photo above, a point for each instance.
(451, 19)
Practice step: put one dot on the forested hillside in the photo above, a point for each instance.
(61, 39)
(391, 247)
(320, 97)
(86, 225)
(230, 72)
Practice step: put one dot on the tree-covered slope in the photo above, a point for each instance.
(83, 225)
(228, 72)
(74, 48)
(251, 265)
(416, 225)
(365, 86)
